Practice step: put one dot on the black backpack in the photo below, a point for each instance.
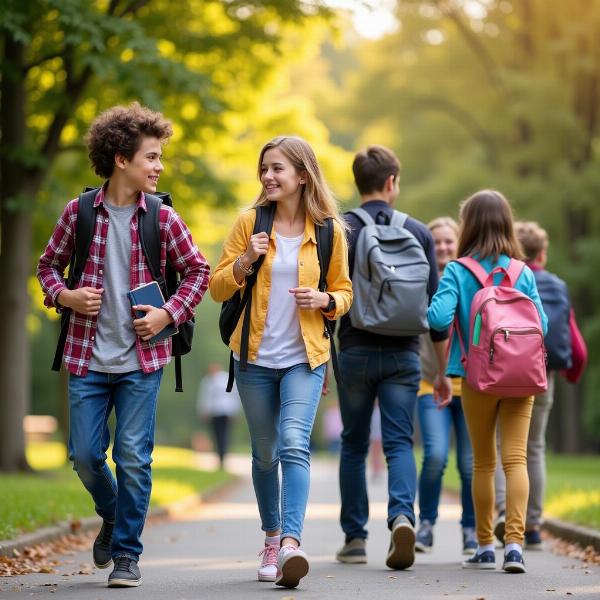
(231, 310)
(557, 306)
(149, 233)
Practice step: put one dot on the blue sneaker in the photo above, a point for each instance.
(484, 560)
(513, 562)
(533, 539)
(469, 541)
(424, 537)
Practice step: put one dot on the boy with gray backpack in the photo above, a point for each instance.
(394, 275)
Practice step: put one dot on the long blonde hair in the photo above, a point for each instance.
(444, 222)
(318, 199)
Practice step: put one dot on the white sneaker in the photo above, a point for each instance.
(268, 566)
(292, 566)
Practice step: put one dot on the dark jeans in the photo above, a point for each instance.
(436, 425)
(220, 431)
(124, 501)
(393, 377)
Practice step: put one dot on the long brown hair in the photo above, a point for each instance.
(487, 227)
(318, 198)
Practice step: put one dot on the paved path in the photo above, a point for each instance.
(210, 553)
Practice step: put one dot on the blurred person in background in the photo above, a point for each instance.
(437, 423)
(217, 407)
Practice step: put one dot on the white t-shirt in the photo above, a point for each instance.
(282, 345)
(213, 400)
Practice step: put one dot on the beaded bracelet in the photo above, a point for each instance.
(245, 270)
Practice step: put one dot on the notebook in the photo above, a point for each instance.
(149, 293)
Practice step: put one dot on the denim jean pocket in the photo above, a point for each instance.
(353, 365)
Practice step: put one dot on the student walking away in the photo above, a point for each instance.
(394, 274)
(555, 300)
(498, 349)
(280, 352)
(110, 354)
(217, 407)
(436, 424)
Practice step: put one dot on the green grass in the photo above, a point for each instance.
(572, 490)
(54, 493)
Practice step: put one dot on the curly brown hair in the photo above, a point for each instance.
(120, 130)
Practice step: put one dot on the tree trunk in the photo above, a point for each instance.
(15, 258)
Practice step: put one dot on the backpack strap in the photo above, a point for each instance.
(149, 234)
(84, 233)
(475, 268)
(511, 273)
(324, 235)
(263, 223)
(514, 270)
(398, 219)
(363, 215)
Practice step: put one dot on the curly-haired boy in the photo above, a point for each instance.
(108, 353)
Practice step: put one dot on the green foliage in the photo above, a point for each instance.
(55, 494)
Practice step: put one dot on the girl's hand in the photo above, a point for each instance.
(309, 299)
(258, 245)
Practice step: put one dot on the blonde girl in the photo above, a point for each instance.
(287, 348)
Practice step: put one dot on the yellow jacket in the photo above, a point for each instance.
(223, 285)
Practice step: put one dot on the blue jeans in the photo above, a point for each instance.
(280, 407)
(435, 429)
(393, 377)
(124, 501)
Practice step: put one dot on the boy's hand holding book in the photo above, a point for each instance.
(155, 320)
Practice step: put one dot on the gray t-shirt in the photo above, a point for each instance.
(114, 347)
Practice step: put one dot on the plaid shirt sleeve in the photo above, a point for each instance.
(186, 259)
(56, 256)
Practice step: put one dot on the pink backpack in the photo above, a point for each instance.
(506, 350)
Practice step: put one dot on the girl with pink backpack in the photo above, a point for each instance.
(491, 300)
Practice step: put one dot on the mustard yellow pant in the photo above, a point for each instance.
(482, 412)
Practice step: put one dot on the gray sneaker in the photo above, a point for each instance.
(125, 574)
(424, 538)
(102, 546)
(401, 554)
(353, 552)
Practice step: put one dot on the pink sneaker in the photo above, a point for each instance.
(292, 566)
(268, 567)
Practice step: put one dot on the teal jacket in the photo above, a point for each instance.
(455, 292)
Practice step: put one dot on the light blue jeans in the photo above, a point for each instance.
(436, 426)
(133, 395)
(280, 407)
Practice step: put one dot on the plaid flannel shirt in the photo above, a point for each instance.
(176, 244)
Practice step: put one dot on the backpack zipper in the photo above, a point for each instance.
(389, 281)
(508, 332)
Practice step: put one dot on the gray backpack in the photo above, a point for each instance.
(390, 279)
